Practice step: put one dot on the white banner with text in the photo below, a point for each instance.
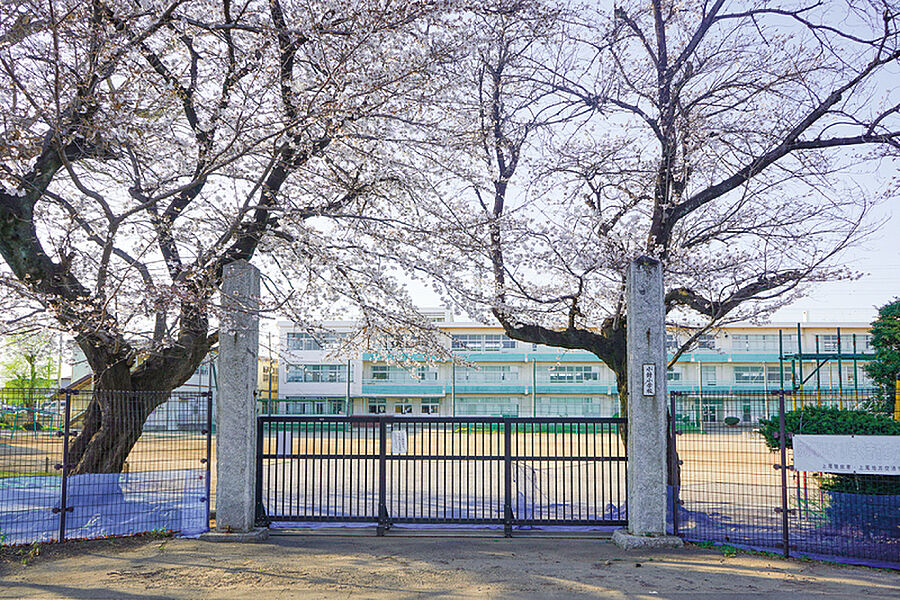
(867, 454)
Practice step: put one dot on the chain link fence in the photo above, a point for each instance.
(52, 488)
(731, 487)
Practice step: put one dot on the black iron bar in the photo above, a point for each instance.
(782, 444)
(63, 487)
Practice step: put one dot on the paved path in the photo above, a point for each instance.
(396, 568)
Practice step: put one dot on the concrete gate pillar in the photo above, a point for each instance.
(646, 342)
(236, 406)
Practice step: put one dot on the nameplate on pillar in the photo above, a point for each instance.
(649, 380)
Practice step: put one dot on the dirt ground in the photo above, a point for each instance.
(406, 566)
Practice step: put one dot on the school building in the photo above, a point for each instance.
(506, 377)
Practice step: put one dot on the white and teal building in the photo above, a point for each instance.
(512, 378)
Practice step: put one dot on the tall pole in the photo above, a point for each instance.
(59, 379)
(799, 368)
(533, 388)
(452, 389)
(855, 373)
(781, 360)
(818, 375)
(347, 409)
(269, 411)
(840, 369)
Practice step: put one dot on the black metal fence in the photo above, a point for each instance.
(509, 472)
(731, 487)
(52, 491)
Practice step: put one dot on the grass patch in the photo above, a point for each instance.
(4, 474)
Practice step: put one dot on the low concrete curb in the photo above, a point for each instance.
(257, 534)
(626, 541)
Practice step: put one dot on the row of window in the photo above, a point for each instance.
(505, 406)
(316, 373)
(769, 375)
(478, 342)
(740, 342)
(305, 342)
(564, 374)
(770, 343)
(428, 406)
(399, 374)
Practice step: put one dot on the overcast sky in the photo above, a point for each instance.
(879, 261)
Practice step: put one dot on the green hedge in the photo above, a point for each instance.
(814, 420)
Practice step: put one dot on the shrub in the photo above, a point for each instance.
(816, 420)
(732, 421)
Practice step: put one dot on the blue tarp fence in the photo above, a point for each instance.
(103, 505)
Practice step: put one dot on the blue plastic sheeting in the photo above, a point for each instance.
(851, 528)
(103, 505)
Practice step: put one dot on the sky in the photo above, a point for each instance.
(878, 259)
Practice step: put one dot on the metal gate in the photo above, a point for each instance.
(509, 472)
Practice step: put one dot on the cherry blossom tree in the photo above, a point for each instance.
(147, 143)
(738, 142)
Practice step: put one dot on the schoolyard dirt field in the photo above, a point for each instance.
(402, 566)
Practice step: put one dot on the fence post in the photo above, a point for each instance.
(507, 478)
(782, 443)
(675, 465)
(383, 523)
(208, 459)
(63, 487)
(261, 519)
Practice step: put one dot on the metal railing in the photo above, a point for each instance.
(509, 472)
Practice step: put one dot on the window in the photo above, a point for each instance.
(773, 379)
(306, 342)
(377, 406)
(487, 406)
(577, 406)
(864, 379)
(673, 374)
(571, 374)
(706, 341)
(741, 342)
(431, 407)
(311, 406)
(400, 375)
(490, 374)
(864, 343)
(672, 344)
(708, 375)
(829, 343)
(476, 342)
(710, 410)
(750, 375)
(403, 408)
(316, 373)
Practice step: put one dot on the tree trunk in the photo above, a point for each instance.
(124, 397)
(622, 385)
(113, 423)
